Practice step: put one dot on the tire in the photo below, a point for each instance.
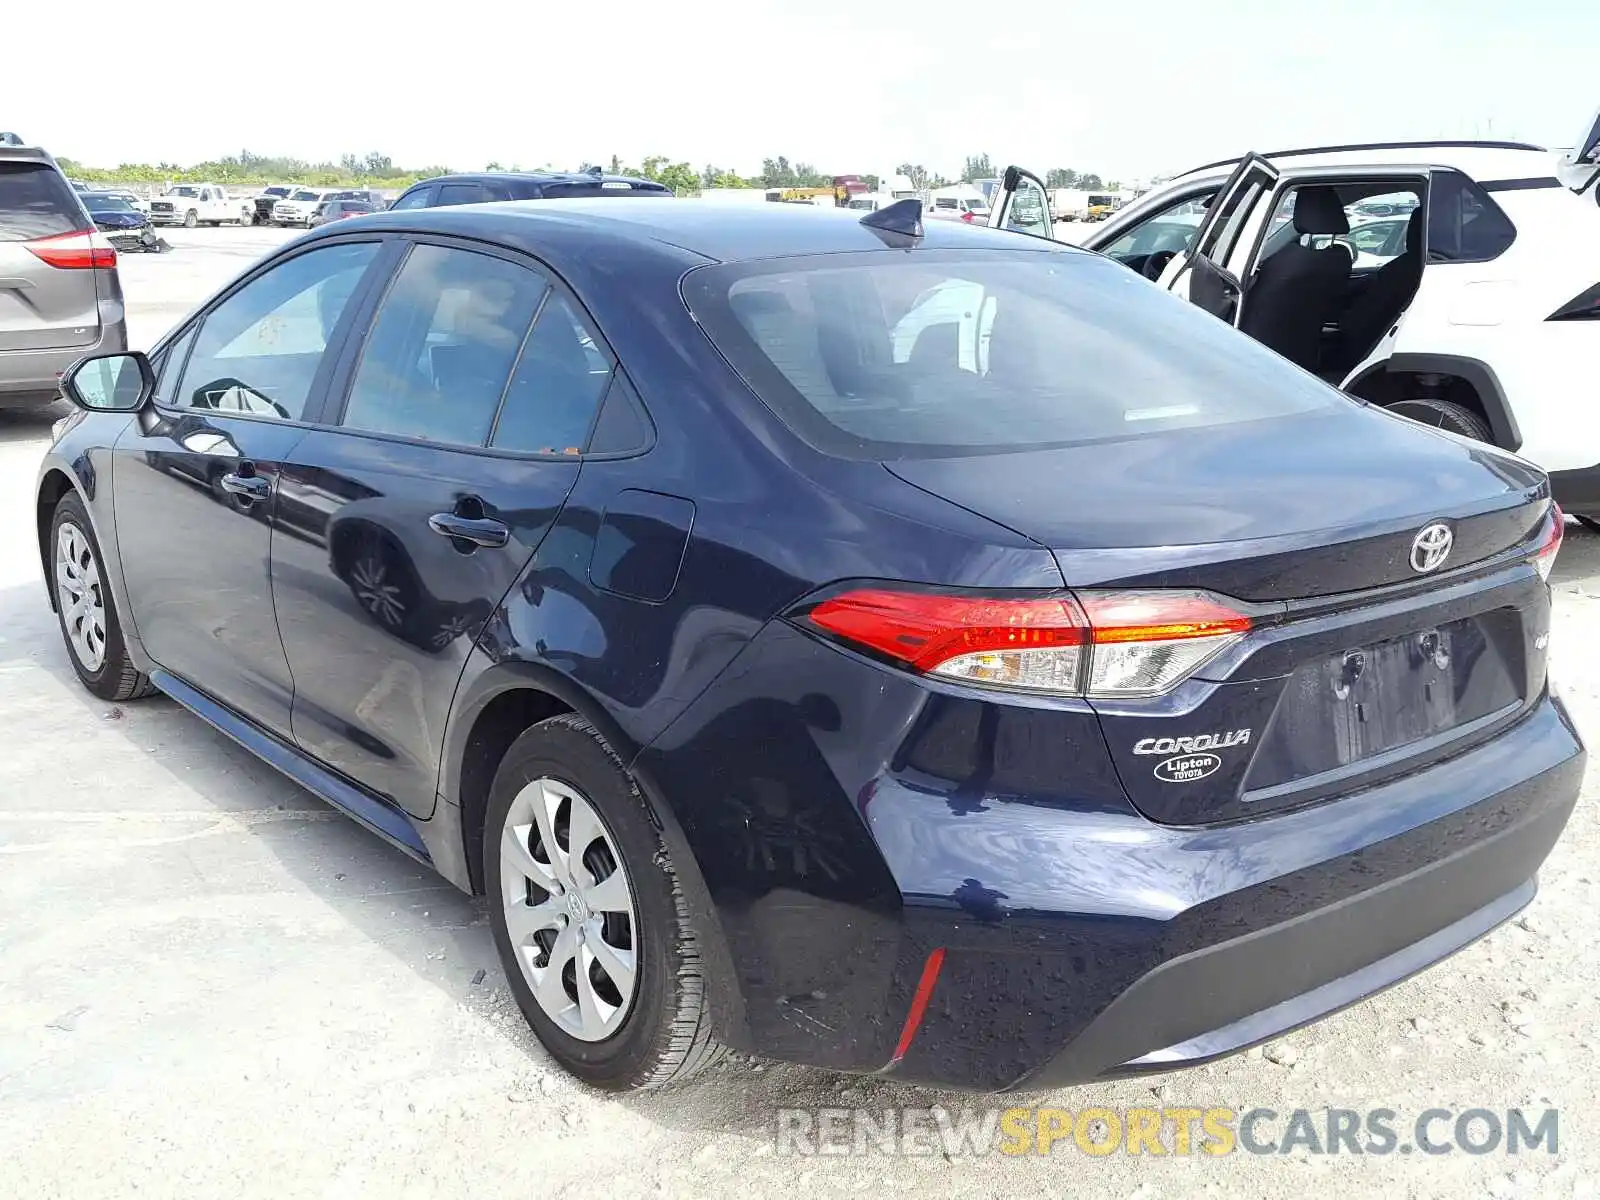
(1446, 415)
(661, 1032)
(190, 219)
(113, 676)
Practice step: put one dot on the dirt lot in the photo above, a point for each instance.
(213, 985)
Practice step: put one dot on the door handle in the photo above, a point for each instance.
(251, 487)
(480, 531)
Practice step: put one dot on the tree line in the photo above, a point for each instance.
(374, 169)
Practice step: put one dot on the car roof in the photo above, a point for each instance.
(540, 177)
(13, 153)
(1483, 161)
(714, 232)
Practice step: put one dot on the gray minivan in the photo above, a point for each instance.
(60, 298)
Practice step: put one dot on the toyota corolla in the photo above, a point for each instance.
(914, 650)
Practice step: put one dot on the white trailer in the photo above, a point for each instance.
(1069, 204)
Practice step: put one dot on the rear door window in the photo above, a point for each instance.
(442, 346)
(460, 193)
(36, 202)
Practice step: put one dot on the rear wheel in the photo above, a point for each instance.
(587, 914)
(85, 609)
(1444, 414)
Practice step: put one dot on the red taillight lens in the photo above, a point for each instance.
(74, 251)
(1098, 644)
(1545, 558)
(967, 217)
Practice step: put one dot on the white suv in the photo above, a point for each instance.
(1483, 318)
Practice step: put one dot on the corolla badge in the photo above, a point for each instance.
(1186, 768)
(1431, 547)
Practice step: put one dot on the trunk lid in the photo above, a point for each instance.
(1359, 667)
(1278, 509)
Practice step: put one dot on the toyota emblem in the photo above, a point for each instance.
(1431, 547)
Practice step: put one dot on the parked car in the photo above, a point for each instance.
(1478, 325)
(297, 208)
(60, 296)
(1107, 701)
(192, 204)
(125, 227)
(11, 139)
(489, 186)
(338, 210)
(371, 196)
(266, 199)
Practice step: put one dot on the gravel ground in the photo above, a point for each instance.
(212, 985)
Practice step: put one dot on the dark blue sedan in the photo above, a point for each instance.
(930, 652)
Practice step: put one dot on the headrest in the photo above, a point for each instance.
(1317, 210)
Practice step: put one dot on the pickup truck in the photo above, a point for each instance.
(191, 204)
(298, 207)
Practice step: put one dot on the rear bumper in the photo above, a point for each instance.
(31, 378)
(1159, 947)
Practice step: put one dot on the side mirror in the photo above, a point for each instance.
(110, 382)
(1579, 166)
(1011, 178)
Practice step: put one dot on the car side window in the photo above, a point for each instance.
(416, 199)
(170, 362)
(259, 351)
(441, 350)
(460, 193)
(1464, 222)
(1168, 229)
(556, 387)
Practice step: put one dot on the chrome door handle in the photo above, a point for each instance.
(480, 531)
(251, 487)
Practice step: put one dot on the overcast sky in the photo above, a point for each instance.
(1124, 89)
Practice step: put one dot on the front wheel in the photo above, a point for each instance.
(85, 608)
(588, 916)
(191, 219)
(1446, 415)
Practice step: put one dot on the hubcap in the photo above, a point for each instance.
(569, 909)
(83, 608)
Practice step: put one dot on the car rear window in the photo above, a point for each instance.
(944, 352)
(35, 202)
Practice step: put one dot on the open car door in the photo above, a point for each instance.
(1580, 166)
(1022, 204)
(1199, 275)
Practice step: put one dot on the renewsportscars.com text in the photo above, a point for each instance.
(1177, 1131)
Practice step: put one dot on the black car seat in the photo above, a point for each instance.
(1384, 298)
(1299, 288)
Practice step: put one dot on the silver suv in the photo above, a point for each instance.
(60, 298)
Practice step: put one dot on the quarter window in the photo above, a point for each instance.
(259, 351)
(1464, 222)
(556, 387)
(443, 346)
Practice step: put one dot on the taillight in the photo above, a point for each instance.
(967, 217)
(1585, 306)
(1545, 557)
(1094, 644)
(74, 251)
